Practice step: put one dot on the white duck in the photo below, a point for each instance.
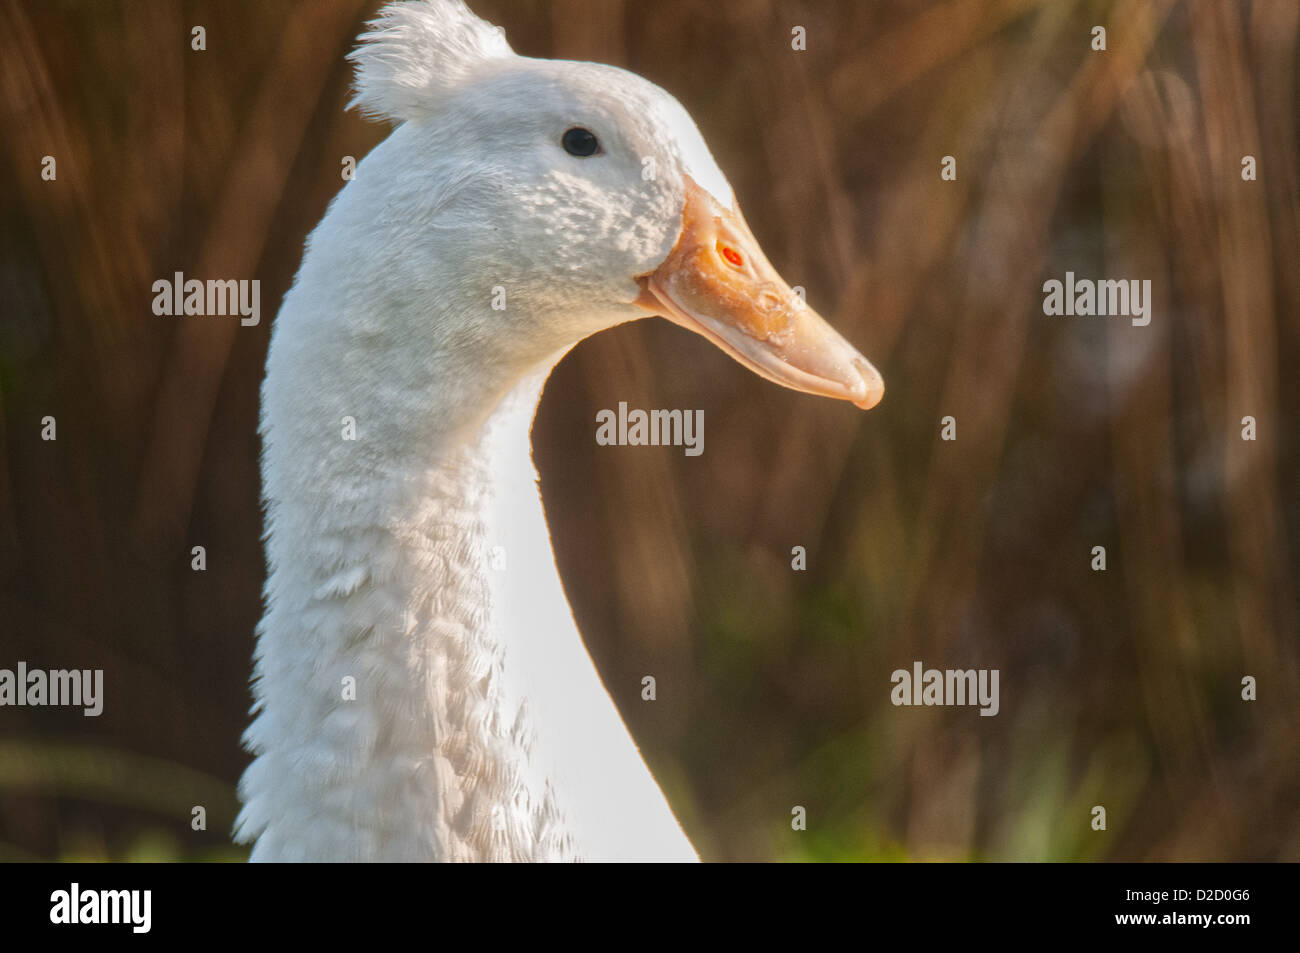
(410, 567)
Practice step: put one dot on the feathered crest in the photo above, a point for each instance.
(416, 52)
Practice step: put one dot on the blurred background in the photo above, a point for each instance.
(1120, 688)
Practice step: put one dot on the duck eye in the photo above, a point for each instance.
(580, 142)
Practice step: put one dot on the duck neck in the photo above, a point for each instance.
(421, 690)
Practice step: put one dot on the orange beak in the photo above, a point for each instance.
(716, 282)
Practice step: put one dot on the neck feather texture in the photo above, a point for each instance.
(421, 690)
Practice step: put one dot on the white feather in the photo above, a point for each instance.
(415, 53)
(480, 729)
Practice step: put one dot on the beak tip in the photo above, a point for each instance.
(873, 385)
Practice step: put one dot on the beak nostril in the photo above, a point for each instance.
(732, 256)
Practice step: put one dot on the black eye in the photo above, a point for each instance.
(580, 142)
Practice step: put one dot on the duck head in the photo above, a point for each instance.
(585, 196)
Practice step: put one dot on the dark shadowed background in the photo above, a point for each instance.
(1119, 688)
